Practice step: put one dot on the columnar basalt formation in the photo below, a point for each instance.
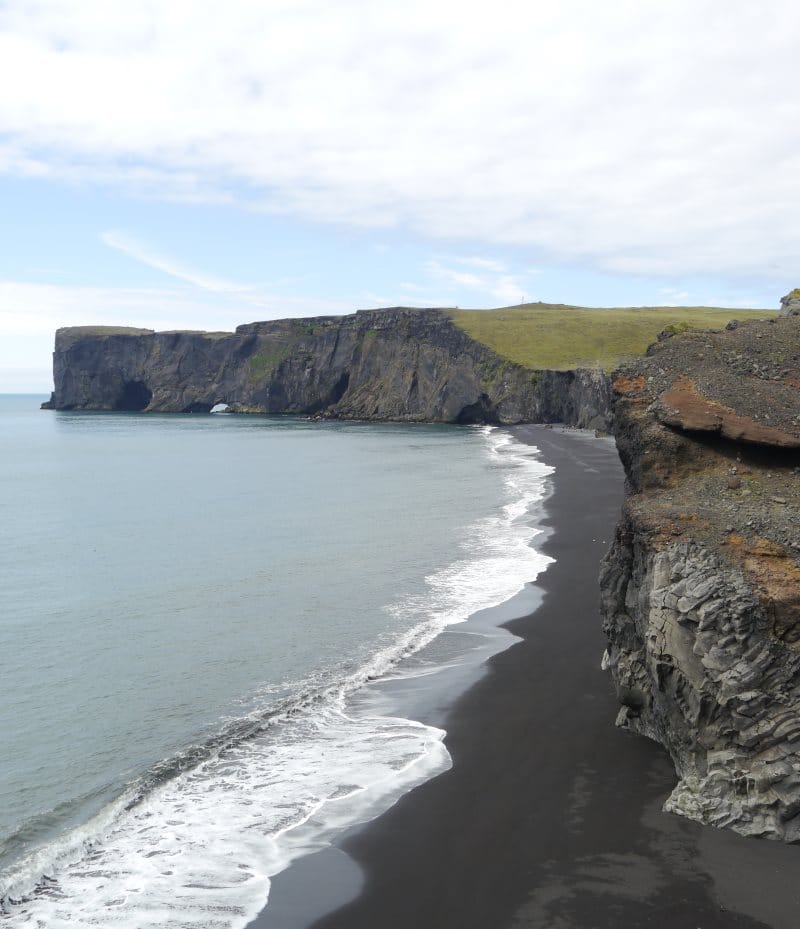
(393, 364)
(701, 589)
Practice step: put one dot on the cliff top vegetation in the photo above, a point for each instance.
(557, 336)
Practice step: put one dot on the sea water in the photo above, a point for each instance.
(192, 610)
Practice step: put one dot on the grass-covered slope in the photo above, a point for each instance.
(546, 335)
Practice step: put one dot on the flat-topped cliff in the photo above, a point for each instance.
(392, 364)
(701, 589)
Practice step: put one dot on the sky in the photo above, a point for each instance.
(198, 165)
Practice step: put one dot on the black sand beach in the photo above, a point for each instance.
(550, 817)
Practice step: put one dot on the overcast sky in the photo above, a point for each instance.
(202, 164)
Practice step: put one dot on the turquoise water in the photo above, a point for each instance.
(188, 605)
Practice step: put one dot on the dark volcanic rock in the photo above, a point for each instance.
(790, 304)
(393, 364)
(701, 589)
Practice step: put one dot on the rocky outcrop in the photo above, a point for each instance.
(393, 364)
(701, 589)
(683, 407)
(790, 304)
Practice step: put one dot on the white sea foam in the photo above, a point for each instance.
(199, 850)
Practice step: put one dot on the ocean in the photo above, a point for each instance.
(198, 618)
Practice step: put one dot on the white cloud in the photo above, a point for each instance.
(142, 253)
(637, 137)
(457, 278)
(420, 295)
(504, 289)
(241, 295)
(673, 296)
(487, 264)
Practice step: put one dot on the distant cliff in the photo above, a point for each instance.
(701, 589)
(393, 364)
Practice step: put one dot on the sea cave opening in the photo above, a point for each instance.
(134, 397)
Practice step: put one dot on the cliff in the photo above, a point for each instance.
(701, 588)
(393, 364)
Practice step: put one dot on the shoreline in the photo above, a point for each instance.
(459, 654)
(550, 817)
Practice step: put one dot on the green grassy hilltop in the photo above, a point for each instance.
(548, 335)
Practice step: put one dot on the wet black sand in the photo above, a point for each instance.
(550, 817)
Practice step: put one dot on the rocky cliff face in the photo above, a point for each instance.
(790, 304)
(701, 589)
(393, 364)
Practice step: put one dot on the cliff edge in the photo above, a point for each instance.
(701, 588)
(391, 364)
